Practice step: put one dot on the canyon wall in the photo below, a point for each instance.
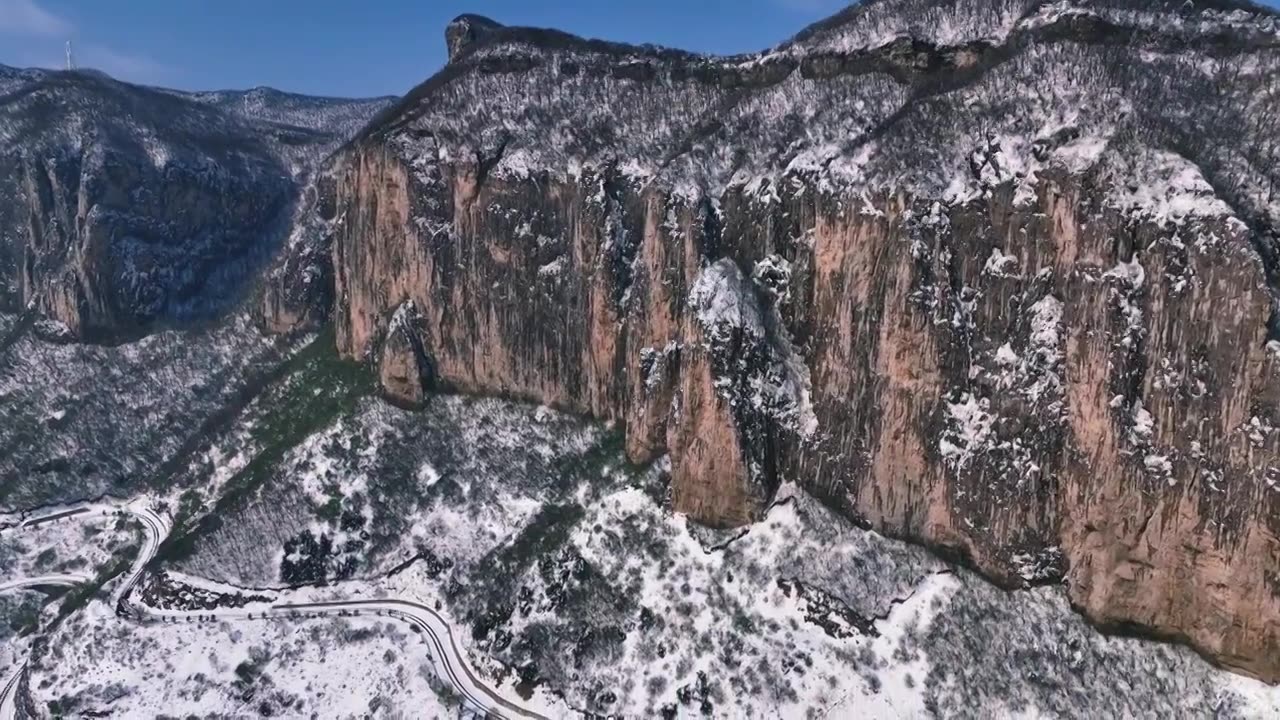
(996, 276)
(124, 208)
(105, 244)
(1045, 388)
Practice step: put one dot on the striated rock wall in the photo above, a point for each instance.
(1047, 388)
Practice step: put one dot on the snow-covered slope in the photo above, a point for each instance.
(994, 277)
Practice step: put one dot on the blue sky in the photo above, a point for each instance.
(352, 47)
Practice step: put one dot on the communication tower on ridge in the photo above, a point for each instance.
(71, 61)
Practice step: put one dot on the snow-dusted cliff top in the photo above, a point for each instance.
(1175, 105)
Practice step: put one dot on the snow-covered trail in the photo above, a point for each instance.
(448, 658)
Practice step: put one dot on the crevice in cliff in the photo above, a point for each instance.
(1148, 514)
(485, 163)
(622, 242)
(1130, 376)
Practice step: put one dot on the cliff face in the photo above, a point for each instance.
(122, 206)
(974, 290)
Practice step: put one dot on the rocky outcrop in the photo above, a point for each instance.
(404, 371)
(297, 291)
(465, 31)
(1044, 350)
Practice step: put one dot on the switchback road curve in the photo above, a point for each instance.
(450, 660)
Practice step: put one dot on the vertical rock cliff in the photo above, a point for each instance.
(975, 283)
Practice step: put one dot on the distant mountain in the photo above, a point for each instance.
(12, 78)
(339, 116)
(124, 205)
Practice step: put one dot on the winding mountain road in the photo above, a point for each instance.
(155, 532)
(448, 658)
(9, 694)
(68, 580)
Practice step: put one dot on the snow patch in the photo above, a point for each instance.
(969, 430)
(724, 303)
(1143, 425)
(1164, 187)
(1000, 265)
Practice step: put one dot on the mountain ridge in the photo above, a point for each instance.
(132, 208)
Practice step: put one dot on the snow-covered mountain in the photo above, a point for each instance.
(126, 205)
(792, 364)
(996, 275)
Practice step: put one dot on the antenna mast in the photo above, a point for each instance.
(71, 63)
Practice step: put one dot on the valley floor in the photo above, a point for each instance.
(758, 627)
